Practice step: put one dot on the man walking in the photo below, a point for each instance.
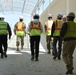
(48, 26)
(19, 30)
(57, 24)
(68, 34)
(4, 31)
(35, 30)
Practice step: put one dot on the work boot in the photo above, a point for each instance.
(5, 54)
(21, 47)
(69, 69)
(69, 72)
(32, 58)
(54, 57)
(52, 52)
(36, 59)
(17, 48)
(1, 55)
(59, 57)
(49, 52)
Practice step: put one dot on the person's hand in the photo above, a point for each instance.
(9, 37)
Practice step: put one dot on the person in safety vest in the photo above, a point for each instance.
(57, 24)
(5, 30)
(20, 32)
(47, 27)
(35, 30)
(68, 34)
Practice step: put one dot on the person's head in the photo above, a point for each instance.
(21, 18)
(64, 18)
(49, 16)
(2, 17)
(36, 16)
(70, 16)
(60, 16)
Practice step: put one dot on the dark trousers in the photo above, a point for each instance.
(57, 46)
(34, 45)
(3, 43)
(48, 40)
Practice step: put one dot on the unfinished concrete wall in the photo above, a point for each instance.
(64, 6)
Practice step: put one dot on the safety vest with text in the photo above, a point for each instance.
(71, 31)
(35, 28)
(58, 25)
(3, 28)
(20, 29)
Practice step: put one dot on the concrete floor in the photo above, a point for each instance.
(19, 63)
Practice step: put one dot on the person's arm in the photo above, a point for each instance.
(9, 30)
(63, 30)
(41, 28)
(53, 29)
(25, 28)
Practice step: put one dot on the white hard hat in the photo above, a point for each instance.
(2, 16)
(64, 16)
(21, 17)
(60, 14)
(49, 15)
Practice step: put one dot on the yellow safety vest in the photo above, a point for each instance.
(35, 29)
(58, 25)
(71, 31)
(20, 29)
(48, 27)
(3, 28)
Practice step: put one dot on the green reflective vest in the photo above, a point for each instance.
(58, 25)
(71, 31)
(3, 28)
(35, 29)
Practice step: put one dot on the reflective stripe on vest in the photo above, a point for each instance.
(71, 31)
(35, 29)
(58, 25)
(48, 27)
(35, 25)
(3, 28)
(20, 26)
(20, 29)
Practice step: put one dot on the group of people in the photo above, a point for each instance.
(60, 32)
